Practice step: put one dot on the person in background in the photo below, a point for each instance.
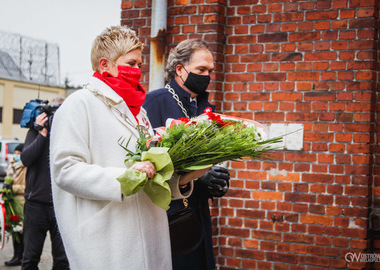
(39, 216)
(188, 68)
(100, 227)
(16, 174)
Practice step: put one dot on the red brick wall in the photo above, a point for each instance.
(375, 220)
(278, 61)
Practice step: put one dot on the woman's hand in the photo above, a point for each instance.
(146, 167)
(186, 178)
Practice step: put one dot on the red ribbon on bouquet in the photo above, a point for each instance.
(2, 224)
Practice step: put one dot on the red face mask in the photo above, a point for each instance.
(126, 85)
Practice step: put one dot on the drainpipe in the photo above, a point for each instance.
(157, 44)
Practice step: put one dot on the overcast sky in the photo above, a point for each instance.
(72, 24)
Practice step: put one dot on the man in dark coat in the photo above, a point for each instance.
(188, 68)
(39, 217)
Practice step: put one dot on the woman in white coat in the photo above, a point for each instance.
(102, 229)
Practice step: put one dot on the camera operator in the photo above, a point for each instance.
(39, 214)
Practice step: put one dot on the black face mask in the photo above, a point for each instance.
(197, 83)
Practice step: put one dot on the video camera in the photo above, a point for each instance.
(34, 108)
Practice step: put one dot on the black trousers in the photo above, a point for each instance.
(38, 220)
(18, 247)
(194, 260)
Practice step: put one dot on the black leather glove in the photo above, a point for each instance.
(216, 180)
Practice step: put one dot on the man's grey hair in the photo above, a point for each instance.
(181, 55)
(56, 101)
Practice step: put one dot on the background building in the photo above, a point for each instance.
(314, 63)
(29, 69)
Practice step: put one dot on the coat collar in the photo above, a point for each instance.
(105, 90)
(115, 100)
(118, 106)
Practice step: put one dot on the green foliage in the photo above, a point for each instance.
(14, 212)
(8, 180)
(205, 143)
(172, 135)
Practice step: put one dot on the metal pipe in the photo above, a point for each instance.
(157, 44)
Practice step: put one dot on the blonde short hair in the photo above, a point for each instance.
(112, 43)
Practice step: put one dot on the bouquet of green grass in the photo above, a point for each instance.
(193, 144)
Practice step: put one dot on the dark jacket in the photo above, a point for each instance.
(35, 156)
(160, 105)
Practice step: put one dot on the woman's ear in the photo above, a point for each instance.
(104, 64)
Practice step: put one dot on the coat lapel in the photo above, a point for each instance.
(117, 105)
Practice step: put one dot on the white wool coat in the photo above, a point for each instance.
(100, 229)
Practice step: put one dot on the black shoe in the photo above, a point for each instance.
(13, 262)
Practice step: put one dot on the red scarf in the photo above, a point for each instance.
(127, 86)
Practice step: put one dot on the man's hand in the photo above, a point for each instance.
(216, 180)
(41, 120)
